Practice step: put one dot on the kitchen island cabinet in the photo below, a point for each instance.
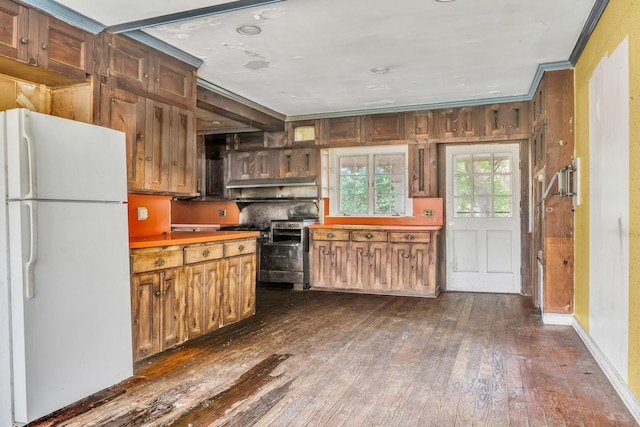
(391, 260)
(189, 284)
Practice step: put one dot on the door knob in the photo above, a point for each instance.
(450, 224)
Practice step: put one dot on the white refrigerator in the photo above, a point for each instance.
(65, 311)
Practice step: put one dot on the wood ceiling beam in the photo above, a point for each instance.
(216, 103)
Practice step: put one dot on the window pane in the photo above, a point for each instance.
(501, 163)
(353, 165)
(462, 207)
(463, 164)
(462, 185)
(482, 207)
(389, 164)
(482, 185)
(502, 207)
(502, 185)
(361, 205)
(385, 205)
(482, 163)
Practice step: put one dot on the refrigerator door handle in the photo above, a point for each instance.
(31, 157)
(29, 265)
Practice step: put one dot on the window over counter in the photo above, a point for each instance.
(371, 183)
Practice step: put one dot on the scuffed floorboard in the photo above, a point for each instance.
(337, 359)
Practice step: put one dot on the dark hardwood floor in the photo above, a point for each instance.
(338, 359)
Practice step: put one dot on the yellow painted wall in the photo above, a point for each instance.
(619, 20)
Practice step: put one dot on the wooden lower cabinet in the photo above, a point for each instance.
(375, 261)
(182, 292)
(157, 308)
(329, 263)
(238, 292)
(203, 297)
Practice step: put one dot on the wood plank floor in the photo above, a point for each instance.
(337, 359)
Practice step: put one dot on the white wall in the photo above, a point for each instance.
(609, 213)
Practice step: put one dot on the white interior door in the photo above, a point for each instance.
(483, 218)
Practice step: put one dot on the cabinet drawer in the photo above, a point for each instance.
(193, 254)
(410, 236)
(324, 234)
(240, 247)
(368, 236)
(157, 260)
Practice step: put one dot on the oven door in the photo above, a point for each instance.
(281, 262)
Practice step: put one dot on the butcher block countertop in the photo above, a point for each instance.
(380, 227)
(188, 237)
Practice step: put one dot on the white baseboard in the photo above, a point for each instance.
(557, 319)
(619, 384)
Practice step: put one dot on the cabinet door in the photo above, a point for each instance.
(174, 80)
(64, 48)
(369, 266)
(145, 314)
(183, 152)
(298, 163)
(459, 122)
(123, 111)
(231, 290)
(384, 127)
(203, 297)
(423, 162)
(14, 38)
(172, 308)
(214, 274)
(330, 264)
(264, 165)
(507, 119)
(240, 165)
(248, 285)
(157, 145)
(127, 63)
(413, 267)
(343, 130)
(420, 125)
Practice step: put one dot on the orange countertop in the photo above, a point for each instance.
(380, 227)
(187, 237)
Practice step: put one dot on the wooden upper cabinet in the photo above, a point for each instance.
(182, 170)
(384, 127)
(156, 146)
(420, 125)
(459, 122)
(126, 63)
(251, 165)
(507, 119)
(423, 178)
(124, 111)
(14, 36)
(343, 130)
(298, 163)
(174, 80)
(64, 48)
(136, 67)
(29, 36)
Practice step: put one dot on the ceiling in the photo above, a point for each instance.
(313, 58)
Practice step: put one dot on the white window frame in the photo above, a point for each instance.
(331, 173)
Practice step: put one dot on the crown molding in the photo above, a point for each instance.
(164, 47)
(587, 30)
(67, 14)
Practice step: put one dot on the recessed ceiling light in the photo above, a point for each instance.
(249, 30)
(379, 70)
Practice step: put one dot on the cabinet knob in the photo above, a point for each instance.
(140, 157)
(148, 158)
(24, 40)
(157, 292)
(241, 248)
(330, 236)
(146, 76)
(158, 80)
(413, 132)
(45, 47)
(159, 262)
(369, 236)
(409, 237)
(205, 253)
(175, 163)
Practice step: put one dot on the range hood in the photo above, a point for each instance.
(266, 183)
